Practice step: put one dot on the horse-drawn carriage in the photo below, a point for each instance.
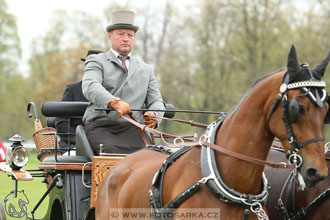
(217, 174)
(71, 187)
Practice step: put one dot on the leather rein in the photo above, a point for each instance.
(201, 142)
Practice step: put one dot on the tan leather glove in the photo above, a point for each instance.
(148, 120)
(120, 106)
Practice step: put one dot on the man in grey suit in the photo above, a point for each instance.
(119, 81)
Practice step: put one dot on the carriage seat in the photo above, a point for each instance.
(51, 122)
(82, 143)
(52, 109)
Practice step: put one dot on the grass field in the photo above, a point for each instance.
(33, 189)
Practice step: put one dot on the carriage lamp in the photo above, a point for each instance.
(17, 154)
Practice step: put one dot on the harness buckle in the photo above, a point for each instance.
(201, 139)
(178, 144)
(205, 179)
(284, 164)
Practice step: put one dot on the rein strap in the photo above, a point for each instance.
(153, 131)
(190, 122)
(247, 158)
(215, 147)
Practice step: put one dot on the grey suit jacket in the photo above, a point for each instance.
(105, 78)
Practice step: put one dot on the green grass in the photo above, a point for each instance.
(33, 189)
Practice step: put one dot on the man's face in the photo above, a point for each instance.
(122, 40)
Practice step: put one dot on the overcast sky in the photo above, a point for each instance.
(33, 15)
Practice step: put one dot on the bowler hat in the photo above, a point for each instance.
(122, 19)
(91, 52)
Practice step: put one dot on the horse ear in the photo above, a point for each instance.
(320, 69)
(293, 64)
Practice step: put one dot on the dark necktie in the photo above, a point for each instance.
(123, 62)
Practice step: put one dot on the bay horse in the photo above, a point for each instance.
(200, 177)
(311, 203)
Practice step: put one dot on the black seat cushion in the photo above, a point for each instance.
(51, 122)
(83, 147)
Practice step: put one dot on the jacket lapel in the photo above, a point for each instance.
(133, 66)
(112, 58)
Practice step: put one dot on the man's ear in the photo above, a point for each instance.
(109, 35)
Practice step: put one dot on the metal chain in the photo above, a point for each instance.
(257, 209)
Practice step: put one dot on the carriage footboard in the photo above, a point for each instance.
(100, 168)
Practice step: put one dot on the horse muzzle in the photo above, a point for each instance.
(310, 176)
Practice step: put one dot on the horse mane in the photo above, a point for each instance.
(259, 80)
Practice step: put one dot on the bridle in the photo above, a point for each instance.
(211, 177)
(290, 111)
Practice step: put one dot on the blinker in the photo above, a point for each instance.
(293, 110)
(318, 99)
(327, 116)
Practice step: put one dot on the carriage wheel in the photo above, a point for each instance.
(2, 212)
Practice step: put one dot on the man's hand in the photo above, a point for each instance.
(120, 106)
(149, 120)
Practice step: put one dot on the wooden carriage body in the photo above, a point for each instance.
(73, 179)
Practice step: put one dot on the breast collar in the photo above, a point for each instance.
(214, 181)
(211, 178)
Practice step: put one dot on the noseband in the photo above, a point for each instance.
(290, 111)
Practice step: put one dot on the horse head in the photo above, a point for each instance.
(15, 204)
(304, 107)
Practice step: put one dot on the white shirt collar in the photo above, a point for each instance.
(117, 54)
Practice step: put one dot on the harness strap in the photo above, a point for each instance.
(285, 118)
(177, 201)
(215, 147)
(291, 195)
(153, 131)
(141, 129)
(156, 200)
(280, 204)
(300, 145)
(289, 212)
(190, 122)
(288, 209)
(303, 212)
(244, 157)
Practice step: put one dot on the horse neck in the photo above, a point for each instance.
(245, 131)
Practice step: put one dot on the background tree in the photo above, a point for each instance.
(55, 60)
(14, 89)
(205, 54)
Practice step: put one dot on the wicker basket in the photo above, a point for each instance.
(45, 142)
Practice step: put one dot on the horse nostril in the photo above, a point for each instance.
(314, 175)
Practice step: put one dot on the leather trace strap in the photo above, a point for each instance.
(242, 157)
(153, 131)
(214, 146)
(133, 121)
(190, 122)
